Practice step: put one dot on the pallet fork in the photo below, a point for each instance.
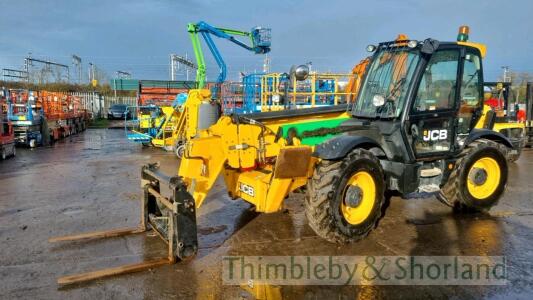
(172, 219)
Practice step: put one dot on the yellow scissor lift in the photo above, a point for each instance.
(159, 126)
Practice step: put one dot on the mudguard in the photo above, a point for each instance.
(492, 135)
(338, 147)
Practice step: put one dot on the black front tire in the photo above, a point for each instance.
(326, 190)
(456, 192)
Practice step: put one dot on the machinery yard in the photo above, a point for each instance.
(180, 150)
(89, 195)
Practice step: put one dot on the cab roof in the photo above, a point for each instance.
(398, 43)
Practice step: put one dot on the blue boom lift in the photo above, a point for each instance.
(259, 44)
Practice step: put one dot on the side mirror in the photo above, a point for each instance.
(429, 46)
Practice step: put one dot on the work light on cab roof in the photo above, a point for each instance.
(463, 34)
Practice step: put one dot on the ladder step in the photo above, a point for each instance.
(430, 172)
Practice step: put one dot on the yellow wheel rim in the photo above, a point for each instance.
(490, 184)
(365, 183)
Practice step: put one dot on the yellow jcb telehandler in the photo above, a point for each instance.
(411, 130)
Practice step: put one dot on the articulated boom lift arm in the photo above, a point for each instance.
(259, 40)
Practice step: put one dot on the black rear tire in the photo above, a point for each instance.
(456, 191)
(327, 191)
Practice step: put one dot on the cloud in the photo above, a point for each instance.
(138, 35)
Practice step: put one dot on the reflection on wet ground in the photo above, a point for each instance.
(91, 182)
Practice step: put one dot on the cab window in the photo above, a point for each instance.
(438, 84)
(470, 91)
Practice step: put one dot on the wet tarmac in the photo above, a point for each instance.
(91, 182)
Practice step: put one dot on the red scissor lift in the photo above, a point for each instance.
(7, 136)
(64, 114)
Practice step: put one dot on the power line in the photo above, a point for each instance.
(45, 70)
(12, 73)
(76, 60)
(176, 62)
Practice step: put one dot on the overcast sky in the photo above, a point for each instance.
(139, 35)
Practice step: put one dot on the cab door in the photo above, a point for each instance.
(471, 93)
(433, 113)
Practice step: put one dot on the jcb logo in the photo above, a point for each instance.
(247, 189)
(435, 135)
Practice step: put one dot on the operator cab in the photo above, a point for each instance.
(416, 111)
(426, 94)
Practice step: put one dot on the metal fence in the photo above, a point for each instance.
(99, 104)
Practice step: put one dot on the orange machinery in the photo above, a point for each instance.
(158, 96)
(355, 81)
(7, 135)
(63, 113)
(161, 93)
